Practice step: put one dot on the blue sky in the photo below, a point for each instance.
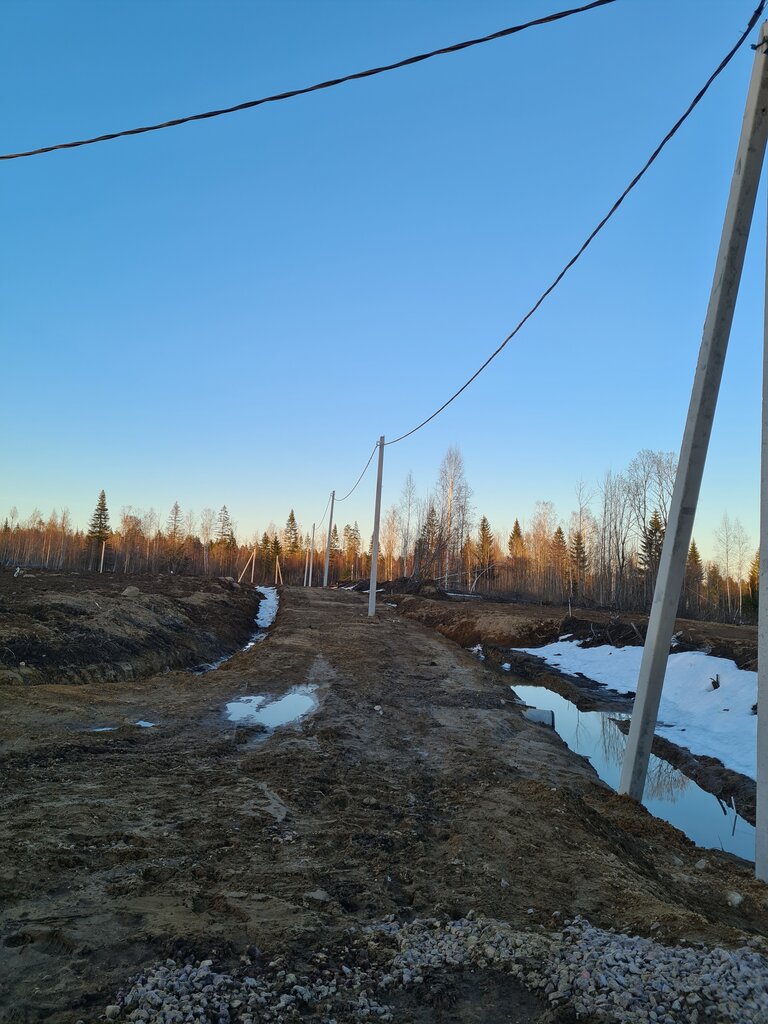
(233, 311)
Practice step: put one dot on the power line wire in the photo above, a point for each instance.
(322, 519)
(365, 467)
(331, 83)
(591, 237)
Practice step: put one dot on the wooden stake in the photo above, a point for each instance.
(245, 568)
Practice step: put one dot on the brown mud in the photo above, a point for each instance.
(120, 848)
(499, 626)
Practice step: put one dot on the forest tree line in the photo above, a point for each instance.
(606, 554)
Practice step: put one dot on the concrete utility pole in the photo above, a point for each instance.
(761, 820)
(312, 556)
(375, 543)
(328, 545)
(306, 567)
(677, 539)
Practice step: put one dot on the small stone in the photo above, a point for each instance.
(112, 1012)
(318, 895)
(734, 899)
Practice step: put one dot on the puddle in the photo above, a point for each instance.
(259, 710)
(113, 728)
(668, 793)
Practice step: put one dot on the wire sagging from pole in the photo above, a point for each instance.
(365, 468)
(596, 231)
(330, 84)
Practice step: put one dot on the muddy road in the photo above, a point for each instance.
(415, 788)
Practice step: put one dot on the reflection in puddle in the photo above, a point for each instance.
(668, 793)
(289, 708)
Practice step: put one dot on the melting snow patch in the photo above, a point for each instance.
(478, 650)
(507, 667)
(258, 710)
(267, 607)
(717, 722)
(145, 725)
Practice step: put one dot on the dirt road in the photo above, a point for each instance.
(196, 836)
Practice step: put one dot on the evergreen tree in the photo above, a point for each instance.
(335, 545)
(650, 552)
(560, 559)
(694, 577)
(515, 542)
(174, 523)
(753, 579)
(292, 534)
(98, 529)
(578, 559)
(224, 526)
(484, 545)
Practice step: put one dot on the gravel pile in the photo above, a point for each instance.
(604, 974)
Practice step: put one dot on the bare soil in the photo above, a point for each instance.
(197, 836)
(500, 626)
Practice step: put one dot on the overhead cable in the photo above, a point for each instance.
(593, 234)
(365, 467)
(330, 84)
(319, 523)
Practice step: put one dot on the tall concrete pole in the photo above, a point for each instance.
(312, 555)
(717, 328)
(306, 566)
(375, 543)
(328, 545)
(761, 821)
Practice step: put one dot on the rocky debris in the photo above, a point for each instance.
(605, 975)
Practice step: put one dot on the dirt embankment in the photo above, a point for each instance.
(498, 627)
(415, 789)
(82, 628)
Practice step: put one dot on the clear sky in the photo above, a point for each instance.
(233, 311)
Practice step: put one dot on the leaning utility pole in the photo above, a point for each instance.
(717, 329)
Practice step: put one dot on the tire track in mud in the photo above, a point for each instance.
(133, 845)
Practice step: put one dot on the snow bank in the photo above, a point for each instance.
(267, 607)
(693, 713)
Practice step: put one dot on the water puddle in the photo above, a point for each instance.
(141, 724)
(668, 793)
(272, 713)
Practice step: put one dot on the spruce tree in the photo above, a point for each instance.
(578, 559)
(515, 542)
(753, 579)
(174, 523)
(560, 558)
(291, 534)
(224, 526)
(484, 544)
(694, 577)
(98, 529)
